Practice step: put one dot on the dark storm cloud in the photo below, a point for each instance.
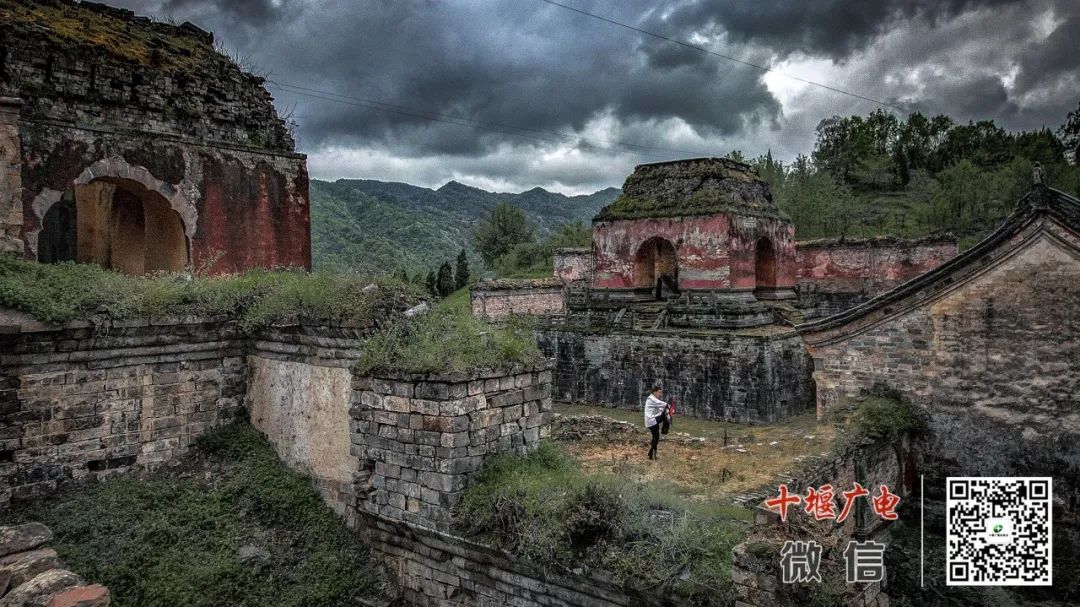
(527, 64)
(504, 63)
(830, 27)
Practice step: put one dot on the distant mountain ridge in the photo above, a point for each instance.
(379, 226)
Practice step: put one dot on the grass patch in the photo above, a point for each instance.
(884, 417)
(545, 509)
(58, 293)
(173, 538)
(449, 339)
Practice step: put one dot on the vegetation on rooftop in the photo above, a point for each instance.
(175, 537)
(545, 509)
(146, 44)
(58, 293)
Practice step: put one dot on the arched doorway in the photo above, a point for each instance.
(115, 223)
(764, 264)
(656, 264)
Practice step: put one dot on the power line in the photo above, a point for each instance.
(505, 129)
(702, 49)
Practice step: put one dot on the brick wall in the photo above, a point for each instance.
(746, 378)
(498, 299)
(844, 273)
(10, 177)
(80, 403)
(712, 251)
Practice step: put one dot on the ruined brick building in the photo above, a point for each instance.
(707, 225)
(695, 280)
(136, 145)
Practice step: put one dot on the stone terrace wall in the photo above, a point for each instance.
(299, 389)
(440, 570)
(421, 439)
(85, 402)
(743, 378)
(499, 299)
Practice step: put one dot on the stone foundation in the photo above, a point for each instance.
(84, 402)
(743, 378)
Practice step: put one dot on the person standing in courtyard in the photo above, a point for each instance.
(655, 413)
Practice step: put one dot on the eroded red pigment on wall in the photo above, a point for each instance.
(867, 266)
(251, 218)
(713, 252)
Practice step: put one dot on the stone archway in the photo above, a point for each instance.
(764, 264)
(180, 198)
(115, 223)
(656, 258)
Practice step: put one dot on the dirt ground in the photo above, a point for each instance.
(694, 456)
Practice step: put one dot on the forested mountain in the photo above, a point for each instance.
(380, 227)
(866, 176)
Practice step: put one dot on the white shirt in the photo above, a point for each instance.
(653, 408)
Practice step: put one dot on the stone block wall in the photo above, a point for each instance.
(299, 388)
(440, 570)
(84, 402)
(499, 299)
(745, 378)
(421, 439)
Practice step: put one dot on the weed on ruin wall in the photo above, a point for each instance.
(231, 525)
(449, 339)
(544, 509)
(62, 292)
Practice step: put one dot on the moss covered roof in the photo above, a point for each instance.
(113, 31)
(698, 186)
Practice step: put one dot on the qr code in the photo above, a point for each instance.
(998, 531)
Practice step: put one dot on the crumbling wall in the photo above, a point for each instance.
(573, 264)
(10, 177)
(499, 299)
(844, 273)
(744, 378)
(182, 121)
(85, 402)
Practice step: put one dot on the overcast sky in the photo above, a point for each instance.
(569, 102)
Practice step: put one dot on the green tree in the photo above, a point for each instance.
(444, 283)
(506, 227)
(431, 283)
(461, 271)
(537, 258)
